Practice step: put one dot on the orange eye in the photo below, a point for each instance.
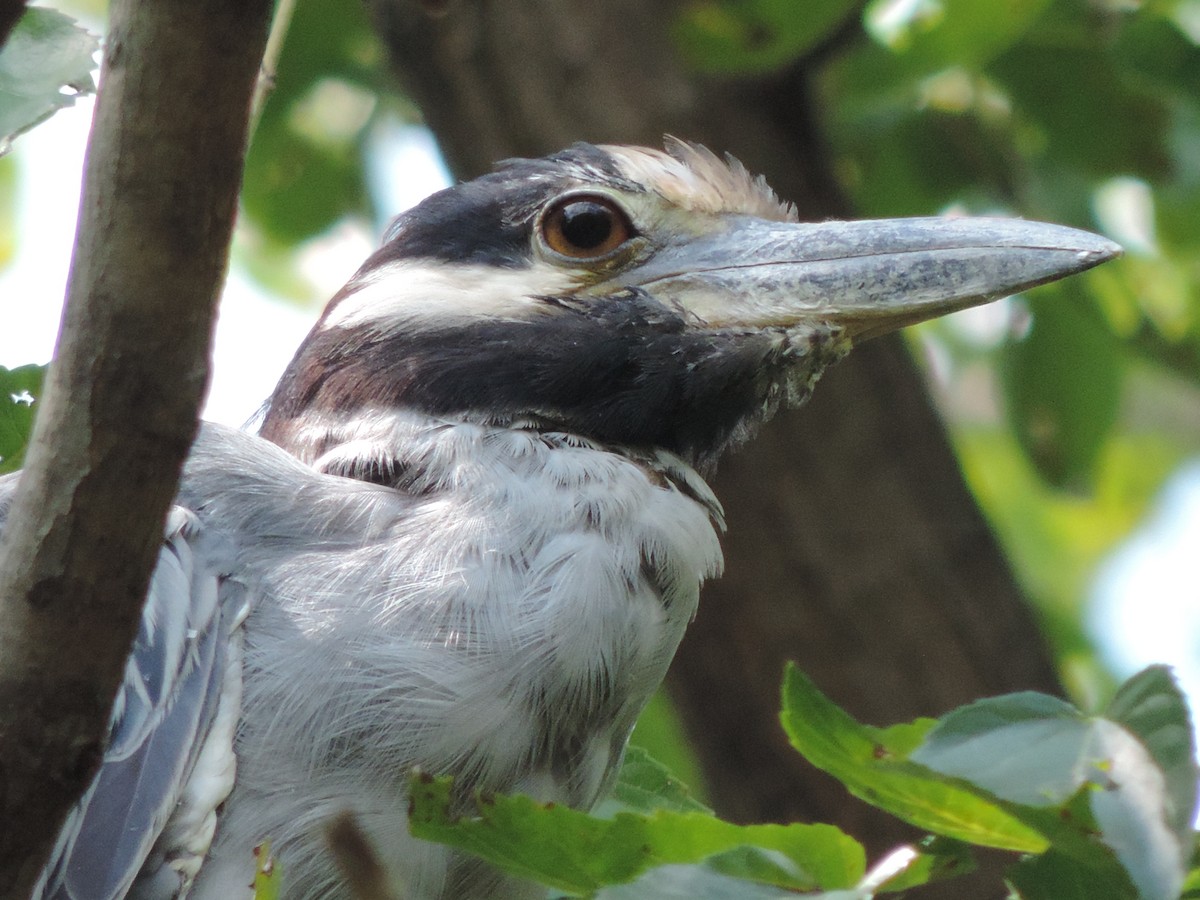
(585, 227)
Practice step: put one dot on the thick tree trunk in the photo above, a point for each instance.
(854, 545)
(119, 412)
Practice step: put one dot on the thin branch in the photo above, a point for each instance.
(160, 189)
(282, 20)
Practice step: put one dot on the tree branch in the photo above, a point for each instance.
(160, 190)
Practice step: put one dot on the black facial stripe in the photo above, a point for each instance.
(623, 371)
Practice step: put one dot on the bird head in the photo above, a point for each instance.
(637, 298)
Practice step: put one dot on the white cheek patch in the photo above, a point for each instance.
(424, 291)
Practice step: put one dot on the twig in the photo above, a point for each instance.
(280, 23)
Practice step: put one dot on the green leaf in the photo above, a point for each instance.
(304, 167)
(1130, 811)
(646, 784)
(938, 858)
(1037, 751)
(1134, 808)
(932, 35)
(892, 174)
(1056, 876)
(268, 876)
(917, 42)
(1066, 87)
(295, 187)
(660, 733)
(754, 865)
(871, 763)
(1062, 384)
(754, 36)
(578, 853)
(1191, 884)
(8, 202)
(1151, 706)
(1026, 748)
(1055, 539)
(46, 64)
(19, 390)
(698, 882)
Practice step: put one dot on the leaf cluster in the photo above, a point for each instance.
(1097, 806)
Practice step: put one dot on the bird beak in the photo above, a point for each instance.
(865, 278)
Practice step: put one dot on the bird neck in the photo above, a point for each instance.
(422, 454)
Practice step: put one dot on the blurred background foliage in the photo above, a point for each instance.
(1070, 406)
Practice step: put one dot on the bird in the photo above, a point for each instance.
(474, 521)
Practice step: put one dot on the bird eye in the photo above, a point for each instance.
(585, 227)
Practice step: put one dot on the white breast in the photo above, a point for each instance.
(504, 619)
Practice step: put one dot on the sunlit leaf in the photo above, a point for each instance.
(930, 35)
(1191, 884)
(19, 390)
(871, 763)
(1026, 748)
(8, 193)
(45, 66)
(1029, 768)
(900, 870)
(569, 850)
(1131, 811)
(938, 859)
(645, 785)
(268, 876)
(918, 40)
(1151, 705)
(1038, 751)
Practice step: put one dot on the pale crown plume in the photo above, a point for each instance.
(694, 178)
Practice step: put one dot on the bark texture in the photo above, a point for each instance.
(854, 546)
(119, 412)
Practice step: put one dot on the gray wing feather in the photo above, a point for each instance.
(164, 708)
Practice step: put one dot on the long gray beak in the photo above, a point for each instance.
(867, 277)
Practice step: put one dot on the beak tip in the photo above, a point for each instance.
(1075, 249)
(1099, 250)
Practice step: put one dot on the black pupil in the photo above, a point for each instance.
(586, 224)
